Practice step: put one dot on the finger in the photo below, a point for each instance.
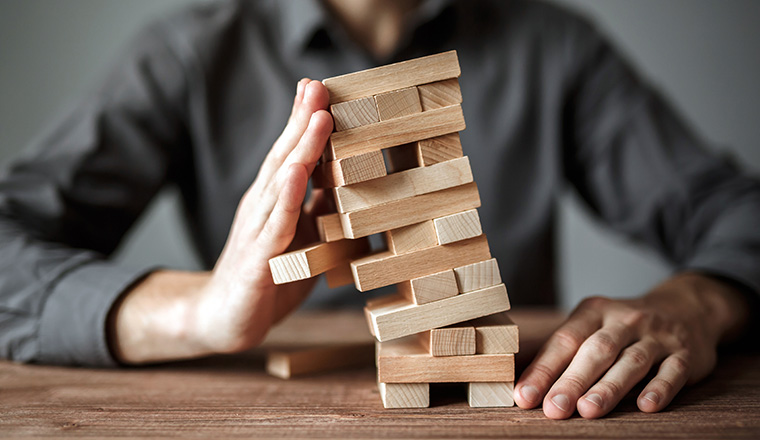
(307, 153)
(632, 366)
(593, 358)
(315, 98)
(670, 378)
(280, 227)
(554, 357)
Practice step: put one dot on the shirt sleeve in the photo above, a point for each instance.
(66, 204)
(648, 175)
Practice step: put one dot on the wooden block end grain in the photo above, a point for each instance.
(398, 103)
(459, 226)
(329, 228)
(404, 395)
(449, 341)
(351, 114)
(440, 94)
(478, 275)
(313, 260)
(429, 288)
(496, 334)
(412, 238)
(439, 149)
(490, 394)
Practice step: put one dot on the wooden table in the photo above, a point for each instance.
(231, 396)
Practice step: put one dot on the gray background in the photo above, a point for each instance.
(705, 54)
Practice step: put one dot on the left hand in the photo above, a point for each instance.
(607, 346)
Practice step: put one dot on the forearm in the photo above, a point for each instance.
(155, 320)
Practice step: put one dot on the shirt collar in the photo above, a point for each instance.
(301, 19)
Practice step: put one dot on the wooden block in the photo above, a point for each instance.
(393, 77)
(404, 395)
(477, 275)
(429, 288)
(409, 211)
(449, 341)
(405, 360)
(398, 103)
(495, 334)
(403, 185)
(329, 228)
(340, 275)
(385, 268)
(355, 113)
(440, 94)
(397, 131)
(307, 360)
(350, 170)
(490, 394)
(439, 149)
(459, 226)
(401, 158)
(412, 238)
(314, 260)
(394, 316)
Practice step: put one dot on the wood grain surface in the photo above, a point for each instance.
(232, 397)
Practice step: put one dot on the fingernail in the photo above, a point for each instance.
(561, 401)
(596, 399)
(529, 393)
(652, 397)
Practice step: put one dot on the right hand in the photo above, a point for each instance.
(172, 315)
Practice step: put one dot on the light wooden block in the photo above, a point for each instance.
(405, 360)
(404, 395)
(314, 260)
(393, 77)
(329, 228)
(429, 288)
(308, 360)
(355, 113)
(495, 334)
(459, 226)
(404, 184)
(440, 94)
(449, 341)
(404, 212)
(412, 238)
(401, 158)
(350, 170)
(477, 275)
(398, 103)
(490, 394)
(394, 316)
(439, 149)
(385, 268)
(397, 131)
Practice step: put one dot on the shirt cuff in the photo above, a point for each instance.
(73, 322)
(741, 267)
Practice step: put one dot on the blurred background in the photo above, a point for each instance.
(704, 54)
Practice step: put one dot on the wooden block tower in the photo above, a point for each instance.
(395, 166)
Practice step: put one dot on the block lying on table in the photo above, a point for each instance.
(385, 268)
(394, 316)
(393, 77)
(404, 395)
(490, 394)
(406, 361)
(307, 360)
(314, 260)
(403, 185)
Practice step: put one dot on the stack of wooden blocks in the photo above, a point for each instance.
(395, 166)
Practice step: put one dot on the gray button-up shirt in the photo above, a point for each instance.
(198, 99)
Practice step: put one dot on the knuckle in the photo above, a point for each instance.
(602, 345)
(543, 371)
(609, 388)
(594, 302)
(574, 382)
(635, 318)
(638, 357)
(665, 386)
(568, 339)
(680, 365)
